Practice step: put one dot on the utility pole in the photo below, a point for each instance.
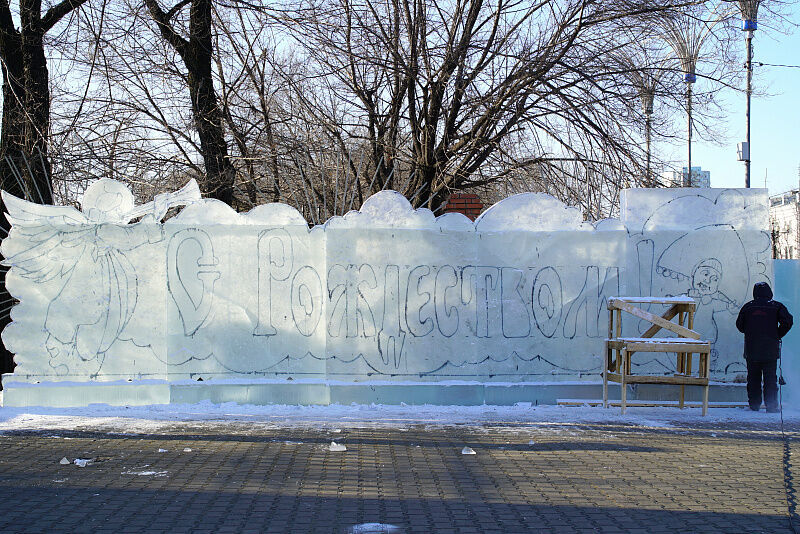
(749, 10)
(749, 66)
(689, 79)
(797, 217)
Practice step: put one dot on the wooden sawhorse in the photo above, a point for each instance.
(619, 349)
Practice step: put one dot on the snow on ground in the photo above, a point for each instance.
(147, 419)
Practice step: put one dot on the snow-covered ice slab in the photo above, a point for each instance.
(385, 304)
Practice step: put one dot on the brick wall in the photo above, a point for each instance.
(467, 203)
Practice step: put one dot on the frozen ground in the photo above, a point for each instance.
(136, 419)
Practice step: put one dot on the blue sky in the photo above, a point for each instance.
(775, 120)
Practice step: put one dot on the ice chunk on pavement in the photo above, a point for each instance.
(336, 447)
(531, 442)
(64, 461)
(82, 462)
(374, 528)
(187, 449)
(146, 473)
(162, 450)
(467, 450)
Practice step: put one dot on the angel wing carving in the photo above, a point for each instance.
(78, 259)
(45, 241)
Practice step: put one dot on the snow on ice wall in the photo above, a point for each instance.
(386, 293)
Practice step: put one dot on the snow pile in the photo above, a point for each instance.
(333, 418)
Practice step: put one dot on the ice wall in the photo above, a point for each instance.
(385, 293)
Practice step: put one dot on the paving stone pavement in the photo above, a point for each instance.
(523, 477)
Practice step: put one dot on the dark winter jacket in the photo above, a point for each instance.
(764, 322)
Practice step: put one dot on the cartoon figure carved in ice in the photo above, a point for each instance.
(78, 258)
(692, 260)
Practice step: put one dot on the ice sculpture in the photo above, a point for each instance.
(386, 293)
(76, 264)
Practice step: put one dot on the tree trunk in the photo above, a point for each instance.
(205, 106)
(24, 162)
(196, 53)
(220, 172)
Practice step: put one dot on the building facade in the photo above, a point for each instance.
(699, 178)
(784, 216)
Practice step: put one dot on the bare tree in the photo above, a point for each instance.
(196, 51)
(436, 88)
(24, 161)
(127, 113)
(644, 63)
(686, 32)
(325, 103)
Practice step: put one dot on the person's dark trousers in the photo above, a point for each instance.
(755, 372)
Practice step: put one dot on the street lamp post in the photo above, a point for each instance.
(689, 78)
(685, 35)
(749, 10)
(642, 64)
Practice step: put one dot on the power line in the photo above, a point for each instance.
(777, 65)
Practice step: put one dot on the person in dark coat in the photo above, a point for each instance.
(763, 322)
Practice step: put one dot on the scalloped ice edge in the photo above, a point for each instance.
(389, 209)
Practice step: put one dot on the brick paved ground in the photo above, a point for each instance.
(524, 477)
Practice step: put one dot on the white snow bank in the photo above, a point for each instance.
(143, 419)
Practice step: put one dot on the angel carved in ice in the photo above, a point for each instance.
(79, 259)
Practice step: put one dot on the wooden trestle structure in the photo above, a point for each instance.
(619, 350)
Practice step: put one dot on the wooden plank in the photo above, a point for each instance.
(606, 368)
(649, 404)
(610, 365)
(667, 340)
(623, 389)
(676, 380)
(615, 344)
(658, 320)
(668, 347)
(649, 379)
(668, 315)
(682, 300)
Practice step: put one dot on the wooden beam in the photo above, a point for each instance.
(660, 344)
(701, 347)
(650, 379)
(649, 404)
(688, 302)
(668, 315)
(657, 320)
